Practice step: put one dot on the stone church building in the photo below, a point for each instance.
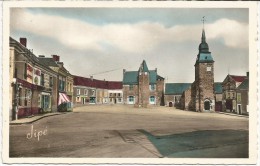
(143, 88)
(201, 97)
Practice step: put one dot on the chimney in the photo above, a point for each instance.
(41, 56)
(124, 71)
(23, 41)
(156, 70)
(247, 74)
(91, 77)
(56, 58)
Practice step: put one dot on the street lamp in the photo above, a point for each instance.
(17, 86)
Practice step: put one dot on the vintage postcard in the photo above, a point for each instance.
(130, 82)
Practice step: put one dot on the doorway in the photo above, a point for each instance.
(206, 105)
(170, 104)
(239, 109)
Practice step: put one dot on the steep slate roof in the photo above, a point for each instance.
(88, 82)
(176, 88)
(218, 87)
(238, 78)
(244, 85)
(144, 67)
(48, 61)
(131, 77)
(205, 57)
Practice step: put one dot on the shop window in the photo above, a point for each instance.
(45, 101)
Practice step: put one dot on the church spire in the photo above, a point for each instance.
(203, 37)
(203, 48)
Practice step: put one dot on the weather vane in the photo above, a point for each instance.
(203, 20)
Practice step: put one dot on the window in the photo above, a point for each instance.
(42, 79)
(78, 91)
(152, 98)
(93, 93)
(131, 87)
(152, 87)
(119, 94)
(51, 81)
(131, 98)
(25, 71)
(86, 92)
(45, 101)
(238, 97)
(119, 100)
(19, 97)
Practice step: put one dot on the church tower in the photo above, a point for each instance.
(143, 85)
(204, 78)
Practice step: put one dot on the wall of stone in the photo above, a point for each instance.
(143, 90)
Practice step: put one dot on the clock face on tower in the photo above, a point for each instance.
(208, 68)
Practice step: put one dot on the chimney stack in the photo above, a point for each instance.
(41, 56)
(124, 70)
(91, 77)
(56, 58)
(156, 70)
(247, 74)
(23, 41)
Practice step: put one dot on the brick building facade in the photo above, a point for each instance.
(143, 87)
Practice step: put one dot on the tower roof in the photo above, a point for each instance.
(143, 67)
(203, 47)
(204, 55)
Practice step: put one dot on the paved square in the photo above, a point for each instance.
(124, 131)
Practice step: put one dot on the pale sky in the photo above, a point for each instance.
(104, 41)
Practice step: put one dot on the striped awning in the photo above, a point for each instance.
(63, 98)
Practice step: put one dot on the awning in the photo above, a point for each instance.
(63, 98)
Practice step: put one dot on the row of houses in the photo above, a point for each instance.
(40, 84)
(37, 84)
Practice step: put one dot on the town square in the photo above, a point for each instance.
(130, 82)
(119, 131)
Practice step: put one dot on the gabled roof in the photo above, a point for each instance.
(176, 88)
(238, 78)
(93, 83)
(218, 87)
(48, 61)
(131, 77)
(244, 85)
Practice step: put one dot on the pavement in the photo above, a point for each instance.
(34, 118)
(233, 114)
(120, 131)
